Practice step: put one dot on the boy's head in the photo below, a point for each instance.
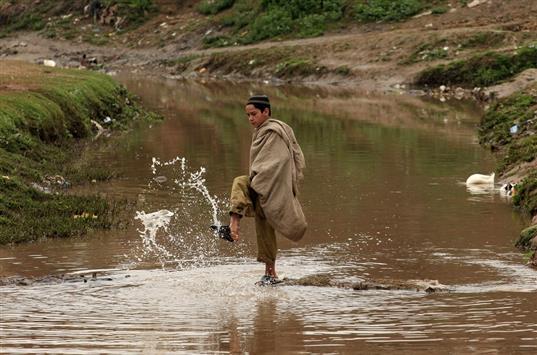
(258, 109)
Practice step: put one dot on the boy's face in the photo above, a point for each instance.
(256, 116)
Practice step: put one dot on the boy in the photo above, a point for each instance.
(269, 192)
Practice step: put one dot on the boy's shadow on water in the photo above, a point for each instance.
(274, 332)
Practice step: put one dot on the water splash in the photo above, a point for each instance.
(195, 180)
(153, 222)
(179, 234)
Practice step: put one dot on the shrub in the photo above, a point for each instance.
(272, 24)
(332, 9)
(439, 10)
(311, 25)
(387, 10)
(264, 19)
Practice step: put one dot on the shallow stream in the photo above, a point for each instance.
(385, 201)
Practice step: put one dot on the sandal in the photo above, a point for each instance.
(223, 232)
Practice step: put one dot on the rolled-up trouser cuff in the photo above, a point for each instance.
(241, 201)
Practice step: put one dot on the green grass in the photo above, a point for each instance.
(42, 118)
(482, 70)
(501, 116)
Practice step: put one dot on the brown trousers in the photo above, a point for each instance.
(245, 202)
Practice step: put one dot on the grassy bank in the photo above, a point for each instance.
(44, 114)
(481, 70)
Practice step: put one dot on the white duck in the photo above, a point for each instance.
(480, 179)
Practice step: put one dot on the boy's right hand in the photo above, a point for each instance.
(234, 226)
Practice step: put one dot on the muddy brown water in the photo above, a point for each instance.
(384, 199)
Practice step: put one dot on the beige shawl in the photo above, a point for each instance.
(276, 164)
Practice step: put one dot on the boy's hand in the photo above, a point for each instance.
(234, 226)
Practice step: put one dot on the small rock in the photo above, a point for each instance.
(426, 13)
(107, 119)
(459, 93)
(534, 220)
(40, 188)
(161, 179)
(443, 88)
(429, 25)
(477, 3)
(417, 92)
(49, 63)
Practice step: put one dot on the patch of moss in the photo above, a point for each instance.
(526, 194)
(43, 113)
(526, 236)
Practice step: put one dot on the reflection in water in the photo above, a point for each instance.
(384, 200)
